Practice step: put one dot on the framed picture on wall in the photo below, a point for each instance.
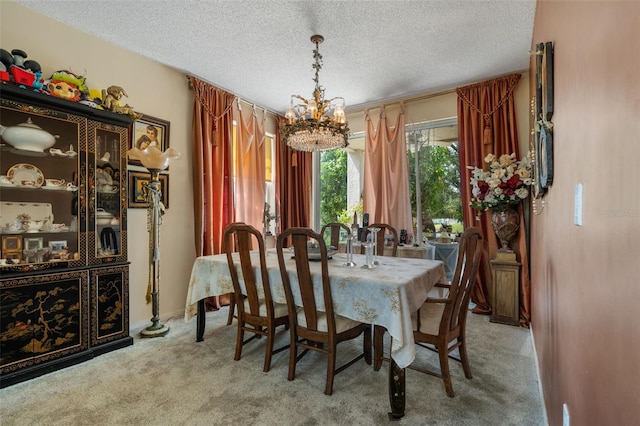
(138, 189)
(149, 131)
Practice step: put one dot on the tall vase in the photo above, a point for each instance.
(505, 224)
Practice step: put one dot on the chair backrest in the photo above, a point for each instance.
(383, 230)
(335, 228)
(243, 238)
(464, 278)
(308, 300)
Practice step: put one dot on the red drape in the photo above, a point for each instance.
(293, 184)
(212, 192)
(386, 177)
(487, 124)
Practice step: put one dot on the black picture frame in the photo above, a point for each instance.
(142, 130)
(544, 102)
(137, 197)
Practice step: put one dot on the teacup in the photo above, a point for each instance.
(55, 182)
(3, 261)
(4, 180)
(35, 225)
(15, 226)
(56, 226)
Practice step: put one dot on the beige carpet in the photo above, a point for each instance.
(176, 381)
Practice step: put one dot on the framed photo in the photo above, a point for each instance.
(33, 243)
(149, 131)
(56, 246)
(138, 189)
(11, 243)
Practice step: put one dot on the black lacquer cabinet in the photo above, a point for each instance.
(64, 281)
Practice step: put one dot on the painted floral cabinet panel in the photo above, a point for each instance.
(42, 318)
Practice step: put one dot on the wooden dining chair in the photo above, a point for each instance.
(385, 229)
(257, 313)
(335, 228)
(440, 323)
(311, 328)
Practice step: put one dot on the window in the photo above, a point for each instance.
(432, 151)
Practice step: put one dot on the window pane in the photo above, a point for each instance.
(333, 186)
(438, 177)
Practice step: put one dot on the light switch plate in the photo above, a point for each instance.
(577, 205)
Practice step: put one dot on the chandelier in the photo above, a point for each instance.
(316, 124)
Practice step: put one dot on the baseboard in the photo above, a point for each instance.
(540, 391)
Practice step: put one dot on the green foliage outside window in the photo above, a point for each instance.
(333, 185)
(439, 182)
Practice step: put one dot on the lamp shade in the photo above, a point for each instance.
(152, 158)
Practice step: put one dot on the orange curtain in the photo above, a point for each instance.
(386, 177)
(487, 124)
(293, 184)
(250, 169)
(212, 193)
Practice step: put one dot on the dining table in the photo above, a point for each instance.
(385, 295)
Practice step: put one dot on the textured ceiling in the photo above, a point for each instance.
(261, 50)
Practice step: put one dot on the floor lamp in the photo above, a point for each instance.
(155, 161)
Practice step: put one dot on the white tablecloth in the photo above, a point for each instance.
(385, 295)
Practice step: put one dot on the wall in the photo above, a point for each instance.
(585, 281)
(153, 89)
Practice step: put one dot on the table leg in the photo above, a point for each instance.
(200, 321)
(397, 385)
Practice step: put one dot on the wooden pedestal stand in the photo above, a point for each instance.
(505, 289)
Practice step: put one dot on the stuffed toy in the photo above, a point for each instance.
(67, 85)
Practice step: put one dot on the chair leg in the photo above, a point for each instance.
(444, 368)
(232, 308)
(367, 345)
(331, 370)
(267, 356)
(239, 340)
(462, 350)
(293, 355)
(378, 346)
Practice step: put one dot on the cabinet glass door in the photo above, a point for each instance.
(107, 186)
(41, 187)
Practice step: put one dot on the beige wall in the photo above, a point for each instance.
(585, 279)
(153, 89)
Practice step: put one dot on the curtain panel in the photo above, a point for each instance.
(386, 176)
(250, 168)
(487, 124)
(293, 183)
(211, 139)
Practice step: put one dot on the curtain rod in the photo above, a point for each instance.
(381, 104)
(248, 102)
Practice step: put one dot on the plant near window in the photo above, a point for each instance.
(506, 183)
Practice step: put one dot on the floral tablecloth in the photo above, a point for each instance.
(385, 295)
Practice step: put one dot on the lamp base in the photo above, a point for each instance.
(156, 330)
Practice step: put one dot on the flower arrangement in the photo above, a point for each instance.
(505, 183)
(24, 218)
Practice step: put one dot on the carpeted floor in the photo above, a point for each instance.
(176, 381)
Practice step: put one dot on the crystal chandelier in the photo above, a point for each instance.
(316, 124)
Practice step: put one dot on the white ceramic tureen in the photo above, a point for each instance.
(28, 136)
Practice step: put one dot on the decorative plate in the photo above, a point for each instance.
(103, 178)
(23, 174)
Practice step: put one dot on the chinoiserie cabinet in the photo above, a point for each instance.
(64, 281)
